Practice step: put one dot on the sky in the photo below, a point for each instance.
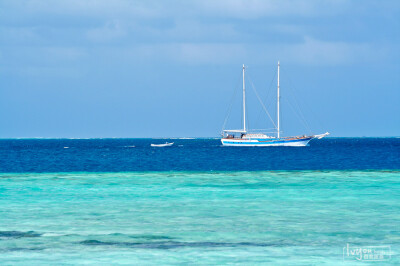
(88, 69)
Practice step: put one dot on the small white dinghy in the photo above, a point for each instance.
(166, 144)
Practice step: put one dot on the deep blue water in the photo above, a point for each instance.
(116, 155)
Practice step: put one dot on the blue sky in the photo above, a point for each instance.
(72, 68)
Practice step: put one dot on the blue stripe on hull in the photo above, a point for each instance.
(265, 142)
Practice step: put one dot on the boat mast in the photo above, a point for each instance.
(244, 104)
(278, 105)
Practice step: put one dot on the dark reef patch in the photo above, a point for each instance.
(173, 244)
(18, 234)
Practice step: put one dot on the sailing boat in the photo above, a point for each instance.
(242, 137)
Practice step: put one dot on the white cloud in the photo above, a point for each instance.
(112, 30)
(317, 52)
(222, 53)
(308, 52)
(189, 35)
(250, 9)
(192, 31)
(43, 72)
(88, 8)
(139, 9)
(62, 54)
(13, 35)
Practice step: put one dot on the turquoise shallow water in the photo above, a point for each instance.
(267, 217)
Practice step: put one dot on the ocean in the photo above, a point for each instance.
(120, 201)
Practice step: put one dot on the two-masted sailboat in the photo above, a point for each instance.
(242, 137)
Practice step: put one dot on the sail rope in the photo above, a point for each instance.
(319, 122)
(268, 96)
(262, 104)
(299, 113)
(228, 113)
(301, 120)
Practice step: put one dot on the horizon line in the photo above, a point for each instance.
(188, 138)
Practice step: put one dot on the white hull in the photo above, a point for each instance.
(162, 145)
(265, 143)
